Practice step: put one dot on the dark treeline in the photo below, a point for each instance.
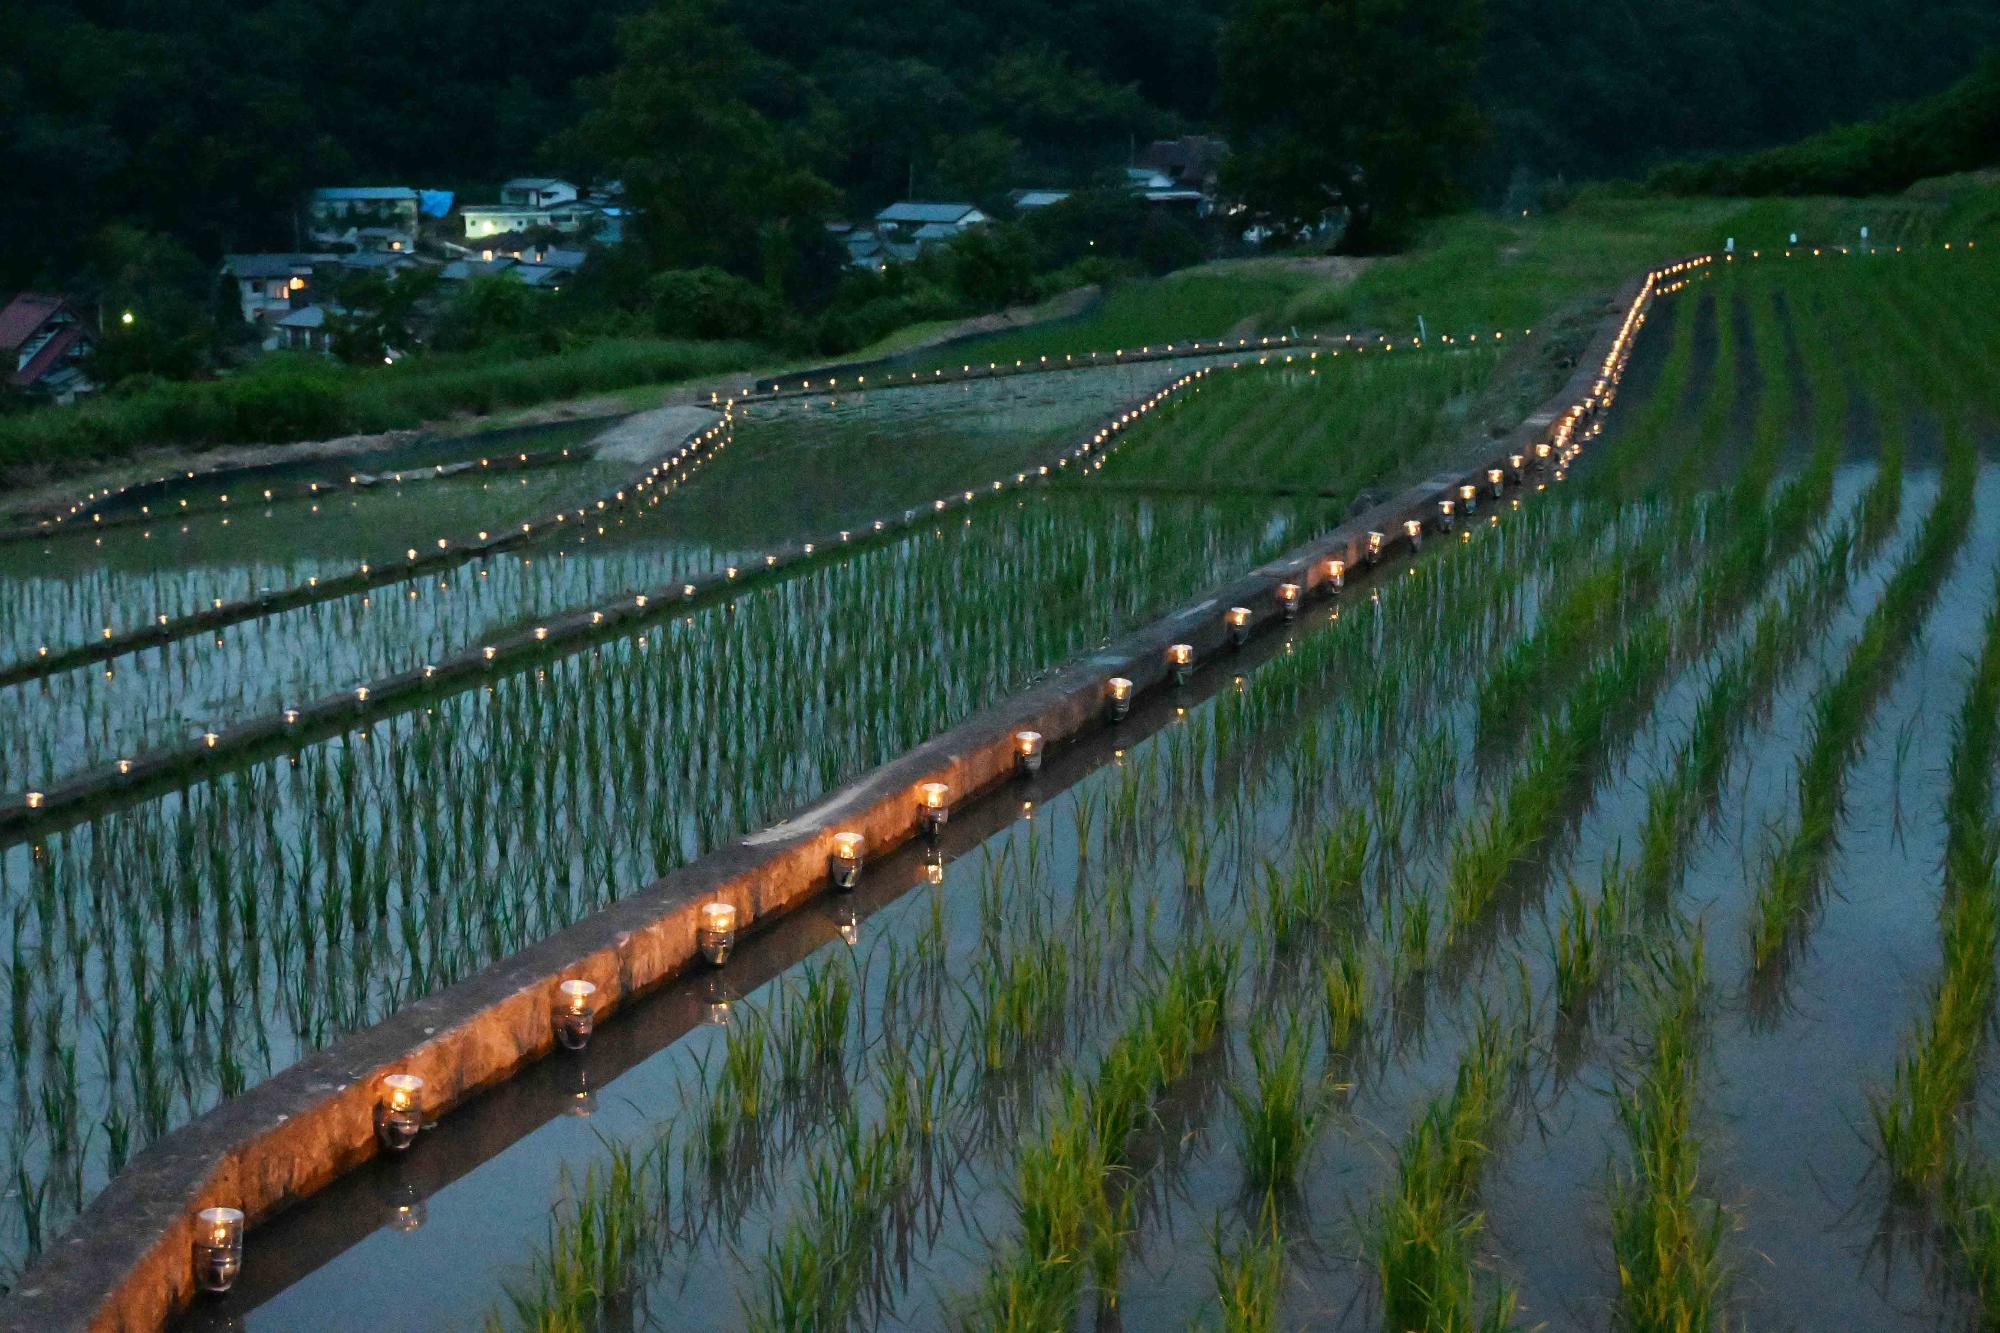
(202, 120)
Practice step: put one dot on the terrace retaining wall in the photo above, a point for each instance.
(126, 1263)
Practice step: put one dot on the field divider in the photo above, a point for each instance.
(441, 554)
(306, 489)
(127, 1260)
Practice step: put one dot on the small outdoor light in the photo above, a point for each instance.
(1414, 530)
(541, 633)
(35, 800)
(1515, 462)
(1117, 698)
(1336, 575)
(1180, 661)
(124, 768)
(489, 652)
(1238, 618)
(576, 1013)
(597, 617)
(210, 740)
(361, 694)
(1468, 495)
(218, 1248)
(291, 716)
(844, 862)
(1542, 451)
(398, 1117)
(1445, 508)
(716, 932)
(1028, 752)
(932, 809)
(1496, 480)
(1376, 541)
(1288, 599)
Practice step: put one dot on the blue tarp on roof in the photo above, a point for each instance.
(434, 203)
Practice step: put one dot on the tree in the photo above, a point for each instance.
(1354, 107)
(707, 172)
(376, 314)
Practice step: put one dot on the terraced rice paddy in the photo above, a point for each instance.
(1548, 933)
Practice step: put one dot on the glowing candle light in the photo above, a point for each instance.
(715, 932)
(844, 861)
(1180, 661)
(1028, 751)
(1117, 698)
(1238, 618)
(1468, 495)
(1376, 541)
(933, 807)
(576, 1013)
(36, 800)
(1445, 511)
(399, 1113)
(218, 1248)
(1336, 574)
(1288, 599)
(1414, 530)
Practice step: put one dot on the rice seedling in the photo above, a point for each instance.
(1277, 1111)
(1345, 982)
(1248, 1278)
(1426, 1229)
(1667, 1238)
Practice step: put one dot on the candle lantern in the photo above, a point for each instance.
(1028, 752)
(716, 932)
(1414, 530)
(541, 633)
(1288, 599)
(1515, 462)
(1496, 480)
(1238, 618)
(576, 1013)
(1336, 575)
(218, 1248)
(1376, 541)
(1468, 497)
(1542, 451)
(1445, 510)
(844, 862)
(932, 808)
(1117, 698)
(398, 1115)
(36, 800)
(488, 653)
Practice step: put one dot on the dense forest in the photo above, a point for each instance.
(201, 120)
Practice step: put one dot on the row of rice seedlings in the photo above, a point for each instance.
(1066, 1175)
(1425, 1229)
(1248, 1278)
(1917, 1122)
(1718, 405)
(1843, 704)
(1665, 1235)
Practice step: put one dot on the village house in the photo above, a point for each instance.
(45, 342)
(943, 220)
(532, 204)
(305, 330)
(336, 215)
(268, 286)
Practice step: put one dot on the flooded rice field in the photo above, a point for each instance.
(1590, 923)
